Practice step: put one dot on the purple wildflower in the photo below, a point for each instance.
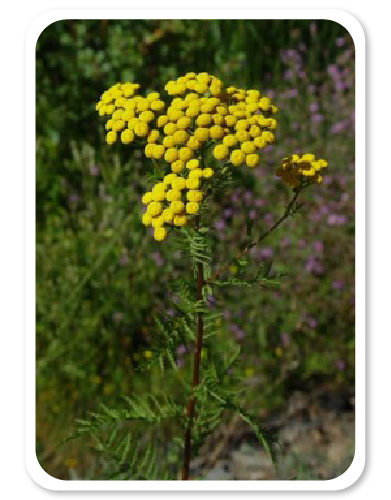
(314, 106)
(181, 349)
(159, 261)
(219, 225)
(317, 118)
(94, 170)
(338, 284)
(266, 253)
(340, 364)
(318, 246)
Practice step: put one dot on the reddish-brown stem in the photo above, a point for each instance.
(196, 373)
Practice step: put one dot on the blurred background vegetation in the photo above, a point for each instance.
(100, 274)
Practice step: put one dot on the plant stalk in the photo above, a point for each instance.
(196, 372)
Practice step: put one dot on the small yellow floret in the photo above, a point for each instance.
(154, 208)
(146, 219)
(252, 160)
(170, 128)
(180, 220)
(201, 133)
(158, 151)
(220, 152)
(177, 207)
(216, 132)
(207, 172)
(160, 233)
(111, 137)
(171, 155)
(193, 183)
(178, 166)
(162, 121)
(185, 153)
(192, 164)
(237, 157)
(141, 129)
(127, 136)
(173, 195)
(147, 198)
(192, 207)
(248, 147)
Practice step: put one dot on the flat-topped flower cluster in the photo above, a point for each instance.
(295, 168)
(202, 113)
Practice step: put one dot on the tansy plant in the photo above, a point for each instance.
(195, 139)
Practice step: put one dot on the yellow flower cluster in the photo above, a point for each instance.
(202, 112)
(296, 168)
(205, 111)
(173, 200)
(132, 116)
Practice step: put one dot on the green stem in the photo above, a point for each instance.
(288, 211)
(196, 369)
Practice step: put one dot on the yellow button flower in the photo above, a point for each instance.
(230, 120)
(153, 96)
(207, 172)
(230, 140)
(168, 141)
(118, 125)
(194, 195)
(154, 208)
(185, 153)
(179, 183)
(192, 164)
(177, 207)
(183, 123)
(201, 134)
(168, 215)
(193, 143)
(149, 149)
(195, 174)
(168, 179)
(157, 105)
(158, 151)
(248, 147)
(178, 166)
(193, 183)
(153, 136)
(170, 128)
(147, 116)
(160, 233)
(147, 198)
(157, 222)
(147, 219)
(252, 160)
(242, 135)
(162, 121)
(192, 207)
(141, 129)
(260, 142)
(171, 155)
(111, 137)
(237, 157)
(180, 137)
(216, 132)
(220, 152)
(127, 136)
